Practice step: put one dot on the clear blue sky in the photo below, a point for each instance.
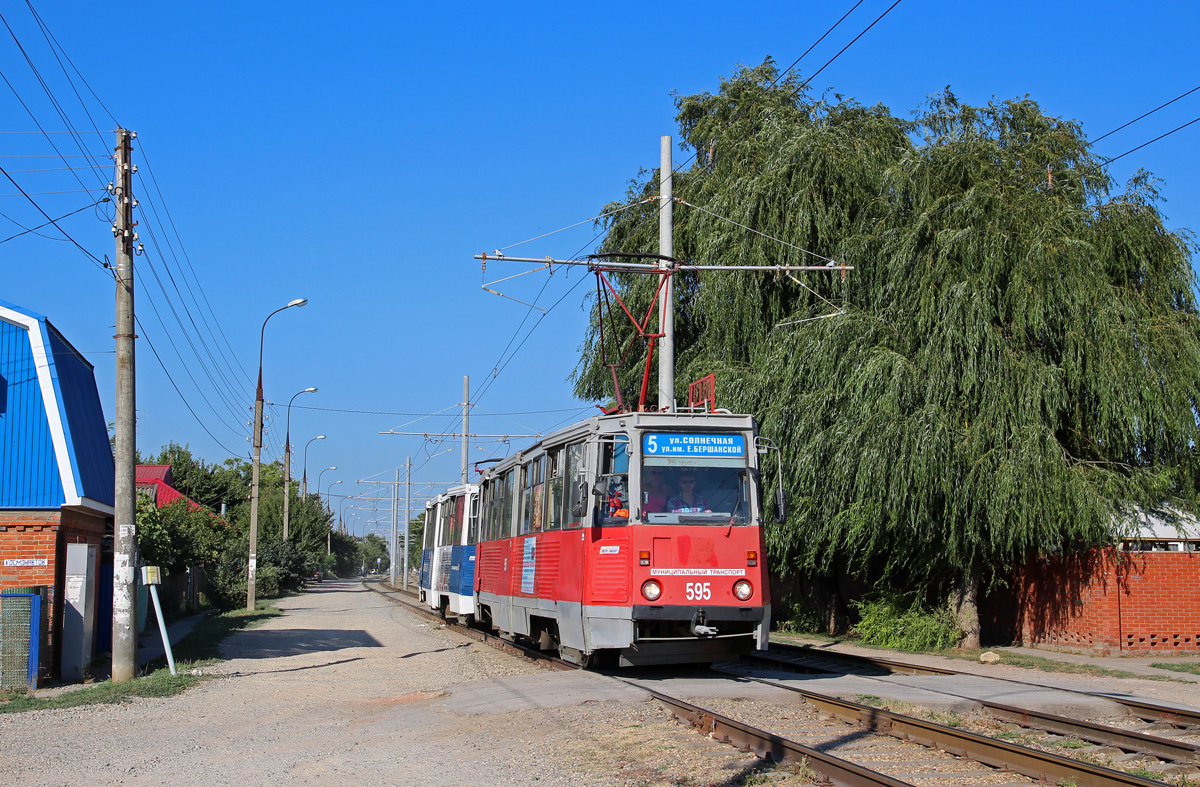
(359, 154)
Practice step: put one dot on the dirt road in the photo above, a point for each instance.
(348, 688)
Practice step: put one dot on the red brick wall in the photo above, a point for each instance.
(45, 534)
(25, 535)
(1111, 601)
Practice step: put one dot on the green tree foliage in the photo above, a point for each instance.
(155, 544)
(374, 551)
(1018, 359)
(416, 532)
(181, 534)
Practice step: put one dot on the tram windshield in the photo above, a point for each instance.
(694, 479)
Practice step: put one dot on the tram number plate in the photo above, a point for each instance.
(699, 591)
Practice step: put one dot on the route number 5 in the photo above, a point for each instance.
(652, 444)
(699, 591)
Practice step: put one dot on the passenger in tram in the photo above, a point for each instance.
(654, 490)
(687, 501)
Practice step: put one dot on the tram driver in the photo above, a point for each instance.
(688, 501)
(655, 492)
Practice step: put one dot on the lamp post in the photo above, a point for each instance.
(252, 566)
(287, 462)
(342, 513)
(322, 473)
(304, 481)
(329, 532)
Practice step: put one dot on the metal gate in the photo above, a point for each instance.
(20, 635)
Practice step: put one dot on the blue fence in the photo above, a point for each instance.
(20, 639)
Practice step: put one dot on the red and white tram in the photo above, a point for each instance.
(629, 539)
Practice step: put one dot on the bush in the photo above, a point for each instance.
(290, 567)
(890, 622)
(799, 617)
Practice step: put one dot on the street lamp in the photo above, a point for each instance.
(322, 473)
(252, 566)
(304, 482)
(287, 461)
(329, 532)
(342, 512)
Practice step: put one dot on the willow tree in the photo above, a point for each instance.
(1013, 362)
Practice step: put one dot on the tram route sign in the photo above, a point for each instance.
(710, 445)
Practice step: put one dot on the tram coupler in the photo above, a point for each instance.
(698, 627)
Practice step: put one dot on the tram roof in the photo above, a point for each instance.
(617, 423)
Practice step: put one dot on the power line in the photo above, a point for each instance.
(182, 398)
(33, 202)
(28, 230)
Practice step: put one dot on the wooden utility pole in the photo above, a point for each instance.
(124, 637)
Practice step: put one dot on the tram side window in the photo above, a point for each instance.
(614, 478)
(473, 521)
(505, 513)
(533, 503)
(445, 523)
(554, 490)
(578, 488)
(456, 520)
(429, 526)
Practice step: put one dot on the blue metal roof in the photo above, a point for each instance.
(54, 447)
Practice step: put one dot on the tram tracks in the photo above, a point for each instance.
(846, 743)
(1177, 720)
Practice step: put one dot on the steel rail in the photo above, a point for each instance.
(843, 773)
(773, 747)
(1148, 711)
(989, 751)
(1102, 734)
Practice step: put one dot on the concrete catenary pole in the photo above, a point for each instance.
(466, 417)
(666, 247)
(407, 513)
(395, 528)
(124, 638)
(252, 565)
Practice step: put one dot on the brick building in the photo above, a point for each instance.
(56, 466)
(1140, 597)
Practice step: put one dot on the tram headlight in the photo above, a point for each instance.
(651, 590)
(743, 590)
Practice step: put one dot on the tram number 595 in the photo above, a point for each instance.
(699, 591)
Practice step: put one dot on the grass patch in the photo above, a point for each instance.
(200, 647)
(159, 683)
(892, 621)
(1070, 743)
(1053, 665)
(1185, 666)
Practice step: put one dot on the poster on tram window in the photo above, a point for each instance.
(528, 563)
(711, 445)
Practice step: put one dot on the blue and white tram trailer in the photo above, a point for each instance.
(447, 581)
(629, 539)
